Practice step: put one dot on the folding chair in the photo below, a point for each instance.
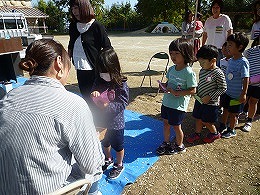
(74, 188)
(157, 59)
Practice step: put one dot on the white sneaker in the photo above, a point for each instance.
(247, 127)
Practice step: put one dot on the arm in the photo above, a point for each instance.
(229, 32)
(190, 91)
(221, 88)
(204, 38)
(83, 141)
(242, 97)
(121, 100)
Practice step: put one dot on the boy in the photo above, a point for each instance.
(253, 92)
(237, 78)
(212, 85)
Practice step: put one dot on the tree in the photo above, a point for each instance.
(57, 17)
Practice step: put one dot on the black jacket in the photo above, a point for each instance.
(93, 40)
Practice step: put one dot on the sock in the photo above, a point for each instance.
(249, 120)
(109, 159)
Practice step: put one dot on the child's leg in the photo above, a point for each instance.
(179, 134)
(166, 131)
(232, 120)
(119, 157)
(107, 152)
(252, 103)
(224, 116)
(199, 126)
(211, 127)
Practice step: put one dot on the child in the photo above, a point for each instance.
(109, 78)
(223, 66)
(237, 78)
(180, 85)
(211, 85)
(255, 31)
(224, 61)
(253, 92)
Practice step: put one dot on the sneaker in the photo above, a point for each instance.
(211, 137)
(162, 149)
(247, 127)
(107, 164)
(193, 137)
(242, 116)
(229, 133)
(176, 149)
(116, 171)
(222, 128)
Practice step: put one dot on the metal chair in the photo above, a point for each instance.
(74, 188)
(160, 59)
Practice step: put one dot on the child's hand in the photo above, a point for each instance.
(162, 86)
(174, 92)
(95, 94)
(242, 98)
(206, 99)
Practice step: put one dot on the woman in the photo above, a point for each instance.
(255, 32)
(42, 126)
(87, 38)
(217, 28)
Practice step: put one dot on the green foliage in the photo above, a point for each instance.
(57, 17)
(146, 13)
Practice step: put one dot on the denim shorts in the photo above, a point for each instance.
(174, 117)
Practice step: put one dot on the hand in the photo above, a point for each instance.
(174, 92)
(95, 94)
(206, 99)
(242, 98)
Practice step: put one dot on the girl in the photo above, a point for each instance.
(180, 85)
(255, 31)
(87, 38)
(109, 79)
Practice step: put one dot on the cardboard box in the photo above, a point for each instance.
(11, 45)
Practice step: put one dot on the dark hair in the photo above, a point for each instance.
(220, 4)
(108, 62)
(207, 52)
(225, 44)
(257, 18)
(40, 55)
(184, 47)
(86, 10)
(239, 39)
(256, 41)
(187, 14)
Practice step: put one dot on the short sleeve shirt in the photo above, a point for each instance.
(237, 70)
(179, 80)
(216, 30)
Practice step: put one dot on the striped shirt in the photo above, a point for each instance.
(212, 83)
(41, 126)
(253, 56)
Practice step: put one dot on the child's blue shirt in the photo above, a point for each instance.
(236, 71)
(179, 80)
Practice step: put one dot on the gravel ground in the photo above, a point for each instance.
(227, 166)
